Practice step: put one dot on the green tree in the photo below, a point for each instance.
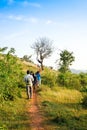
(3, 49)
(27, 58)
(66, 59)
(43, 49)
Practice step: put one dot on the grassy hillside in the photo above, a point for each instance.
(61, 106)
(63, 109)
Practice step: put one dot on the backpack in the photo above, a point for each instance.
(28, 81)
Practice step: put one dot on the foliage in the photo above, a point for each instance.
(27, 58)
(83, 81)
(69, 80)
(10, 76)
(3, 49)
(84, 101)
(49, 78)
(63, 107)
(66, 58)
(74, 81)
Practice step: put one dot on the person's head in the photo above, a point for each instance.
(28, 72)
(31, 72)
(37, 72)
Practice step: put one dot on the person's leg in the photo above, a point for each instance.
(31, 92)
(34, 86)
(28, 91)
(39, 83)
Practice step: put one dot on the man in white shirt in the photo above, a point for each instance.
(28, 78)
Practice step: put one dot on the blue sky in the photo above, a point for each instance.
(63, 21)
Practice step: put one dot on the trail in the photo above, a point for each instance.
(35, 114)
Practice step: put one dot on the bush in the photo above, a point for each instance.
(60, 120)
(69, 80)
(10, 76)
(49, 78)
(83, 81)
(83, 89)
(84, 102)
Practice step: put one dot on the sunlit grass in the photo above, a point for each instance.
(13, 114)
(63, 109)
(61, 106)
(61, 95)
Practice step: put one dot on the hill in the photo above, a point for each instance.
(57, 106)
(78, 71)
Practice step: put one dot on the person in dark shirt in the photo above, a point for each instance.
(38, 76)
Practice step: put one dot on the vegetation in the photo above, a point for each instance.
(63, 109)
(69, 80)
(49, 78)
(64, 100)
(84, 101)
(66, 58)
(12, 92)
(14, 113)
(27, 58)
(62, 96)
(10, 76)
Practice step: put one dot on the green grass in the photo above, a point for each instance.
(14, 115)
(62, 108)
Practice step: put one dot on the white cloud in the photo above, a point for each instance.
(10, 1)
(26, 3)
(18, 18)
(35, 5)
(33, 20)
(50, 22)
(23, 18)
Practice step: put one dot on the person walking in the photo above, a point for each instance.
(28, 78)
(38, 78)
(34, 82)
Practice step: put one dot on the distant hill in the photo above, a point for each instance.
(78, 71)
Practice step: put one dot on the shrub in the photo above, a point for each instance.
(49, 78)
(60, 119)
(10, 76)
(69, 80)
(83, 81)
(84, 101)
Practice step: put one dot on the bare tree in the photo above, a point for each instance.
(43, 49)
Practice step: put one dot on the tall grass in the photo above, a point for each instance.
(13, 114)
(63, 108)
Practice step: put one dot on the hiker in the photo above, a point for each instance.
(28, 78)
(38, 78)
(35, 81)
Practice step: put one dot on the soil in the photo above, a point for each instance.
(35, 114)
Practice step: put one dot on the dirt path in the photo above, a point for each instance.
(35, 114)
